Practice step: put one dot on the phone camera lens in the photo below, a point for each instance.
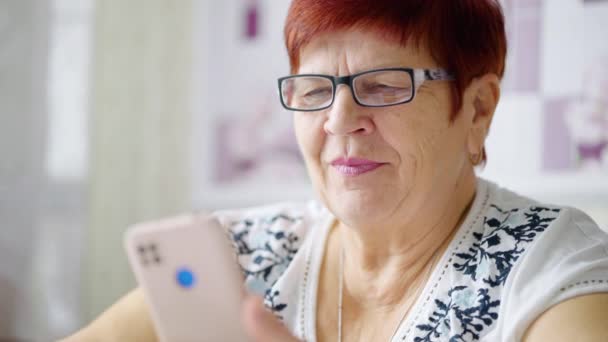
(185, 278)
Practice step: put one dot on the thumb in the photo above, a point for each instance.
(261, 325)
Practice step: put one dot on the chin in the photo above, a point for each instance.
(361, 207)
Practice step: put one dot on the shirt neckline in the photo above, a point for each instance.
(315, 253)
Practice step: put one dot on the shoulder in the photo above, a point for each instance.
(506, 227)
(266, 239)
(557, 253)
(581, 318)
(537, 224)
(544, 237)
(545, 226)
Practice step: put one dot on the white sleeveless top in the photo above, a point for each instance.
(511, 259)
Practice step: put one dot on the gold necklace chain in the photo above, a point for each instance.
(409, 306)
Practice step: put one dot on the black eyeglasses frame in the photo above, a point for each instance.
(418, 76)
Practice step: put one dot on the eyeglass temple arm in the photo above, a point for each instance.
(421, 75)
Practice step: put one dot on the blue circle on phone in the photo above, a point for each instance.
(185, 278)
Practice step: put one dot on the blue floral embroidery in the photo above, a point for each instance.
(470, 311)
(467, 311)
(270, 302)
(265, 248)
(504, 239)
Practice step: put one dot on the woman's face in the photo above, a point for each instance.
(399, 159)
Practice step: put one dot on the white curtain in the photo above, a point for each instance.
(140, 132)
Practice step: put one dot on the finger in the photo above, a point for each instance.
(261, 325)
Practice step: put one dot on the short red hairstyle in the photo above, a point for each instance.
(467, 37)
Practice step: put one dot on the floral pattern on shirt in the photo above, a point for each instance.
(465, 312)
(265, 246)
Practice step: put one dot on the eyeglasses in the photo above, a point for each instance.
(372, 88)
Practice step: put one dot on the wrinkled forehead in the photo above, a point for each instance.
(354, 50)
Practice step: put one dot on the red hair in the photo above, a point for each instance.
(466, 37)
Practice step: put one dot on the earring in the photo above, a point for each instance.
(476, 158)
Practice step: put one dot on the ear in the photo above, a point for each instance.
(480, 101)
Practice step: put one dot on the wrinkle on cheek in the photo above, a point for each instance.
(434, 127)
(410, 181)
(428, 145)
(430, 142)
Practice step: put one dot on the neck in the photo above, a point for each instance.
(384, 265)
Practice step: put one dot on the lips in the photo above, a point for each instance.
(352, 167)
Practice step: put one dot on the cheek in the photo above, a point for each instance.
(412, 135)
(432, 142)
(310, 136)
(419, 138)
(440, 150)
(434, 131)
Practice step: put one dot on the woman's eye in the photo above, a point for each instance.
(383, 87)
(318, 92)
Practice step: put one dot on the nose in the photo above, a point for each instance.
(346, 117)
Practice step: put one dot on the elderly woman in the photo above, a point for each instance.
(392, 104)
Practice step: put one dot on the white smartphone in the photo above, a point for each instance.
(190, 278)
